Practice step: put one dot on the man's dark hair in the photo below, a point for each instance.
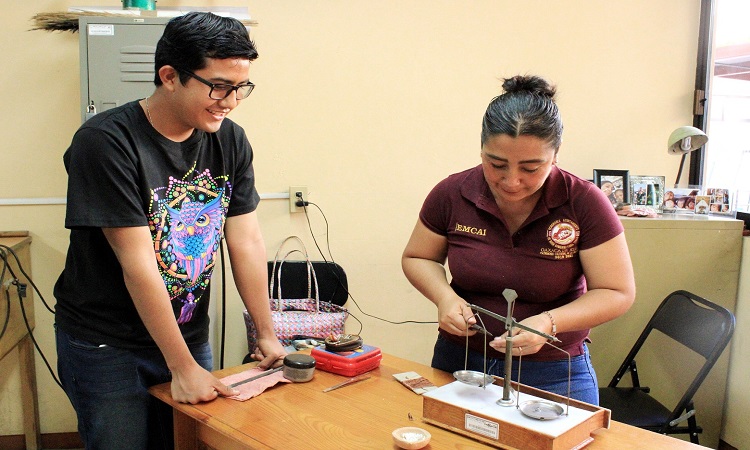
(191, 38)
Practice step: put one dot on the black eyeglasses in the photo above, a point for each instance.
(222, 91)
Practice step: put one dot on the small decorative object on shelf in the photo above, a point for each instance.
(149, 5)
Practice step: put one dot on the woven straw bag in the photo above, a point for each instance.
(296, 317)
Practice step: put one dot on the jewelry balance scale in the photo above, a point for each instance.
(508, 414)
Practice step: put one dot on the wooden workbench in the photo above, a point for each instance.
(361, 416)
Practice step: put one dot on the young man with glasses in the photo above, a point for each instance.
(154, 185)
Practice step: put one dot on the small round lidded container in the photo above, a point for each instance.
(299, 368)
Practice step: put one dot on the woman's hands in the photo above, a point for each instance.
(524, 342)
(423, 264)
(455, 316)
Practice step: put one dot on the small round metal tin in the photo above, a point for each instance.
(541, 410)
(299, 368)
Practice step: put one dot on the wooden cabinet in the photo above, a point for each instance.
(735, 431)
(698, 254)
(16, 334)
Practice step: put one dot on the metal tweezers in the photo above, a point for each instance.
(347, 382)
(512, 322)
(480, 329)
(261, 375)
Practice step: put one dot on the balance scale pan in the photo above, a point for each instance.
(473, 378)
(541, 410)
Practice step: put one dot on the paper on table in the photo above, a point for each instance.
(255, 387)
(414, 381)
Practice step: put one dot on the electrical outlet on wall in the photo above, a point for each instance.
(295, 192)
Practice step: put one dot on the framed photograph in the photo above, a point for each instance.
(720, 201)
(647, 192)
(614, 183)
(680, 200)
(702, 204)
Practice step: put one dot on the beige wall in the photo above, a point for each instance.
(368, 104)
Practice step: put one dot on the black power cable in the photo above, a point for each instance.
(21, 290)
(304, 203)
(23, 272)
(7, 312)
(7, 295)
(223, 304)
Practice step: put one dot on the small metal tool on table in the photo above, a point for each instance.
(347, 382)
(255, 377)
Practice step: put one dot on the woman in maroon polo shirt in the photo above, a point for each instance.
(517, 221)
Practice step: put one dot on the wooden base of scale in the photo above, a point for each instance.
(473, 411)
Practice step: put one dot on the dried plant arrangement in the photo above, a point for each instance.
(68, 21)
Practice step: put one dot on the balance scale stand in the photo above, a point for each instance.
(473, 411)
(488, 413)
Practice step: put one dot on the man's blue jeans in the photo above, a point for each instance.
(108, 388)
(550, 376)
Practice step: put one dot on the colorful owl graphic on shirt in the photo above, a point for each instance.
(187, 222)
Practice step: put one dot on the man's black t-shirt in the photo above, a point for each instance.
(123, 173)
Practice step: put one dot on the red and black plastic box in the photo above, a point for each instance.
(349, 364)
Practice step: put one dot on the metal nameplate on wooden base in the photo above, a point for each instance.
(473, 411)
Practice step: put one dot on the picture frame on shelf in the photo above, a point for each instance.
(647, 191)
(680, 200)
(720, 201)
(701, 204)
(614, 183)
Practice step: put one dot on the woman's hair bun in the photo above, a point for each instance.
(529, 84)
